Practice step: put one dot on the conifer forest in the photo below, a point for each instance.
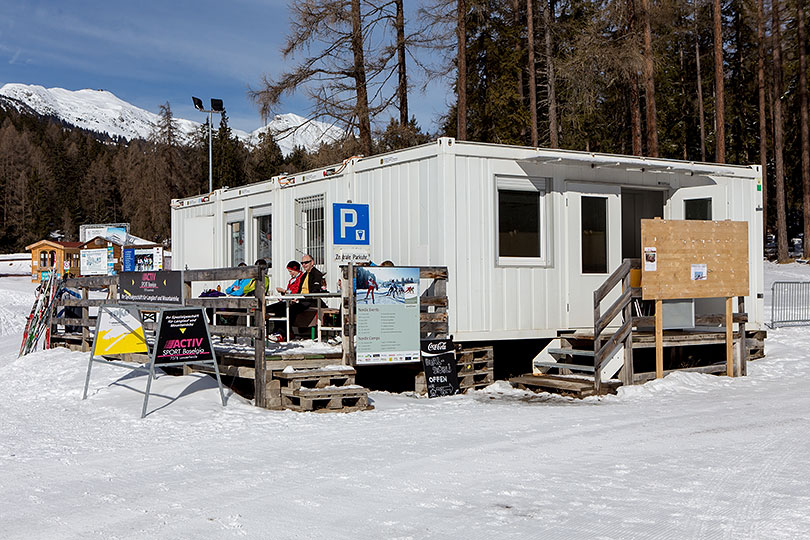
(700, 80)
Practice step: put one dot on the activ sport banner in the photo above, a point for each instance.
(163, 287)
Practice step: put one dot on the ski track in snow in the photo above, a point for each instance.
(691, 456)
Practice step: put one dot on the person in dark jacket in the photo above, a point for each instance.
(313, 281)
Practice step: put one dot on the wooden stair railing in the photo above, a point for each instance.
(624, 335)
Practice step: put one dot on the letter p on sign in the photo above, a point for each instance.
(348, 218)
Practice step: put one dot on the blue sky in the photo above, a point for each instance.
(150, 52)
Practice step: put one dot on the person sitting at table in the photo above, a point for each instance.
(237, 288)
(279, 309)
(251, 287)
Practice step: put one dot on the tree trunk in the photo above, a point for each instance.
(635, 110)
(461, 84)
(778, 136)
(701, 114)
(516, 23)
(804, 128)
(649, 83)
(763, 126)
(548, 20)
(402, 88)
(532, 74)
(363, 120)
(719, 108)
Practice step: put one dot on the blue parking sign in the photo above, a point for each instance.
(350, 224)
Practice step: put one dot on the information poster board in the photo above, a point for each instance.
(164, 287)
(387, 305)
(441, 370)
(143, 259)
(694, 259)
(93, 262)
(118, 331)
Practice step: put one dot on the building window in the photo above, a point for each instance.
(237, 239)
(309, 228)
(697, 209)
(519, 224)
(594, 235)
(264, 239)
(521, 220)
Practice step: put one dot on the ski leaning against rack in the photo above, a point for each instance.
(30, 318)
(42, 308)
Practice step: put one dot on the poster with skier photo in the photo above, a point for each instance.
(387, 299)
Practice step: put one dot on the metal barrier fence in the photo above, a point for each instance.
(790, 303)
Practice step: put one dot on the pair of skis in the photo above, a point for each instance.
(40, 316)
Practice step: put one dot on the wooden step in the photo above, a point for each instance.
(571, 352)
(561, 365)
(576, 386)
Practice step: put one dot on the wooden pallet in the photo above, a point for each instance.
(331, 399)
(575, 386)
(322, 390)
(475, 380)
(315, 378)
(475, 368)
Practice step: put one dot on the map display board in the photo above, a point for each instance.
(163, 287)
(93, 262)
(387, 306)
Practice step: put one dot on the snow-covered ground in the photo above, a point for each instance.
(689, 456)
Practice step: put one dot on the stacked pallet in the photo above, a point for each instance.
(475, 368)
(328, 389)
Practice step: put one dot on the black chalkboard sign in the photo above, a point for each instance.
(441, 371)
(158, 287)
(182, 337)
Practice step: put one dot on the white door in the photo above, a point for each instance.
(594, 230)
(198, 242)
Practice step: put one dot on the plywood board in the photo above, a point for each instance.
(693, 259)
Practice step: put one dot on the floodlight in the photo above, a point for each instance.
(197, 103)
(216, 105)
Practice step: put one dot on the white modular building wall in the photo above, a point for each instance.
(437, 205)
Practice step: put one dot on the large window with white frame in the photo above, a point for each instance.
(521, 219)
(309, 228)
(236, 237)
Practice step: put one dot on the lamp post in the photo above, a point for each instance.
(216, 106)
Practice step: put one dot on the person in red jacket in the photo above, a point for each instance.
(279, 309)
(372, 284)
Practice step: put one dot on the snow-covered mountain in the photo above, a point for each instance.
(103, 112)
(290, 130)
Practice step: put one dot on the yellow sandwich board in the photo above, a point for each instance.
(118, 331)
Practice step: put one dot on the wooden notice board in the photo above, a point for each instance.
(693, 259)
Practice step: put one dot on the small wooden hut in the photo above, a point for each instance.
(50, 255)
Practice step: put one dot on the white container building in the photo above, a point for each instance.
(527, 234)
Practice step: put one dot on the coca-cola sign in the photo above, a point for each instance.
(441, 369)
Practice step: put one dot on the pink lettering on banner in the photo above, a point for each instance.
(183, 343)
(149, 276)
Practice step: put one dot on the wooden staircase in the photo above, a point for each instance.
(580, 364)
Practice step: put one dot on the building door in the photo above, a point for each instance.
(593, 243)
(638, 204)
